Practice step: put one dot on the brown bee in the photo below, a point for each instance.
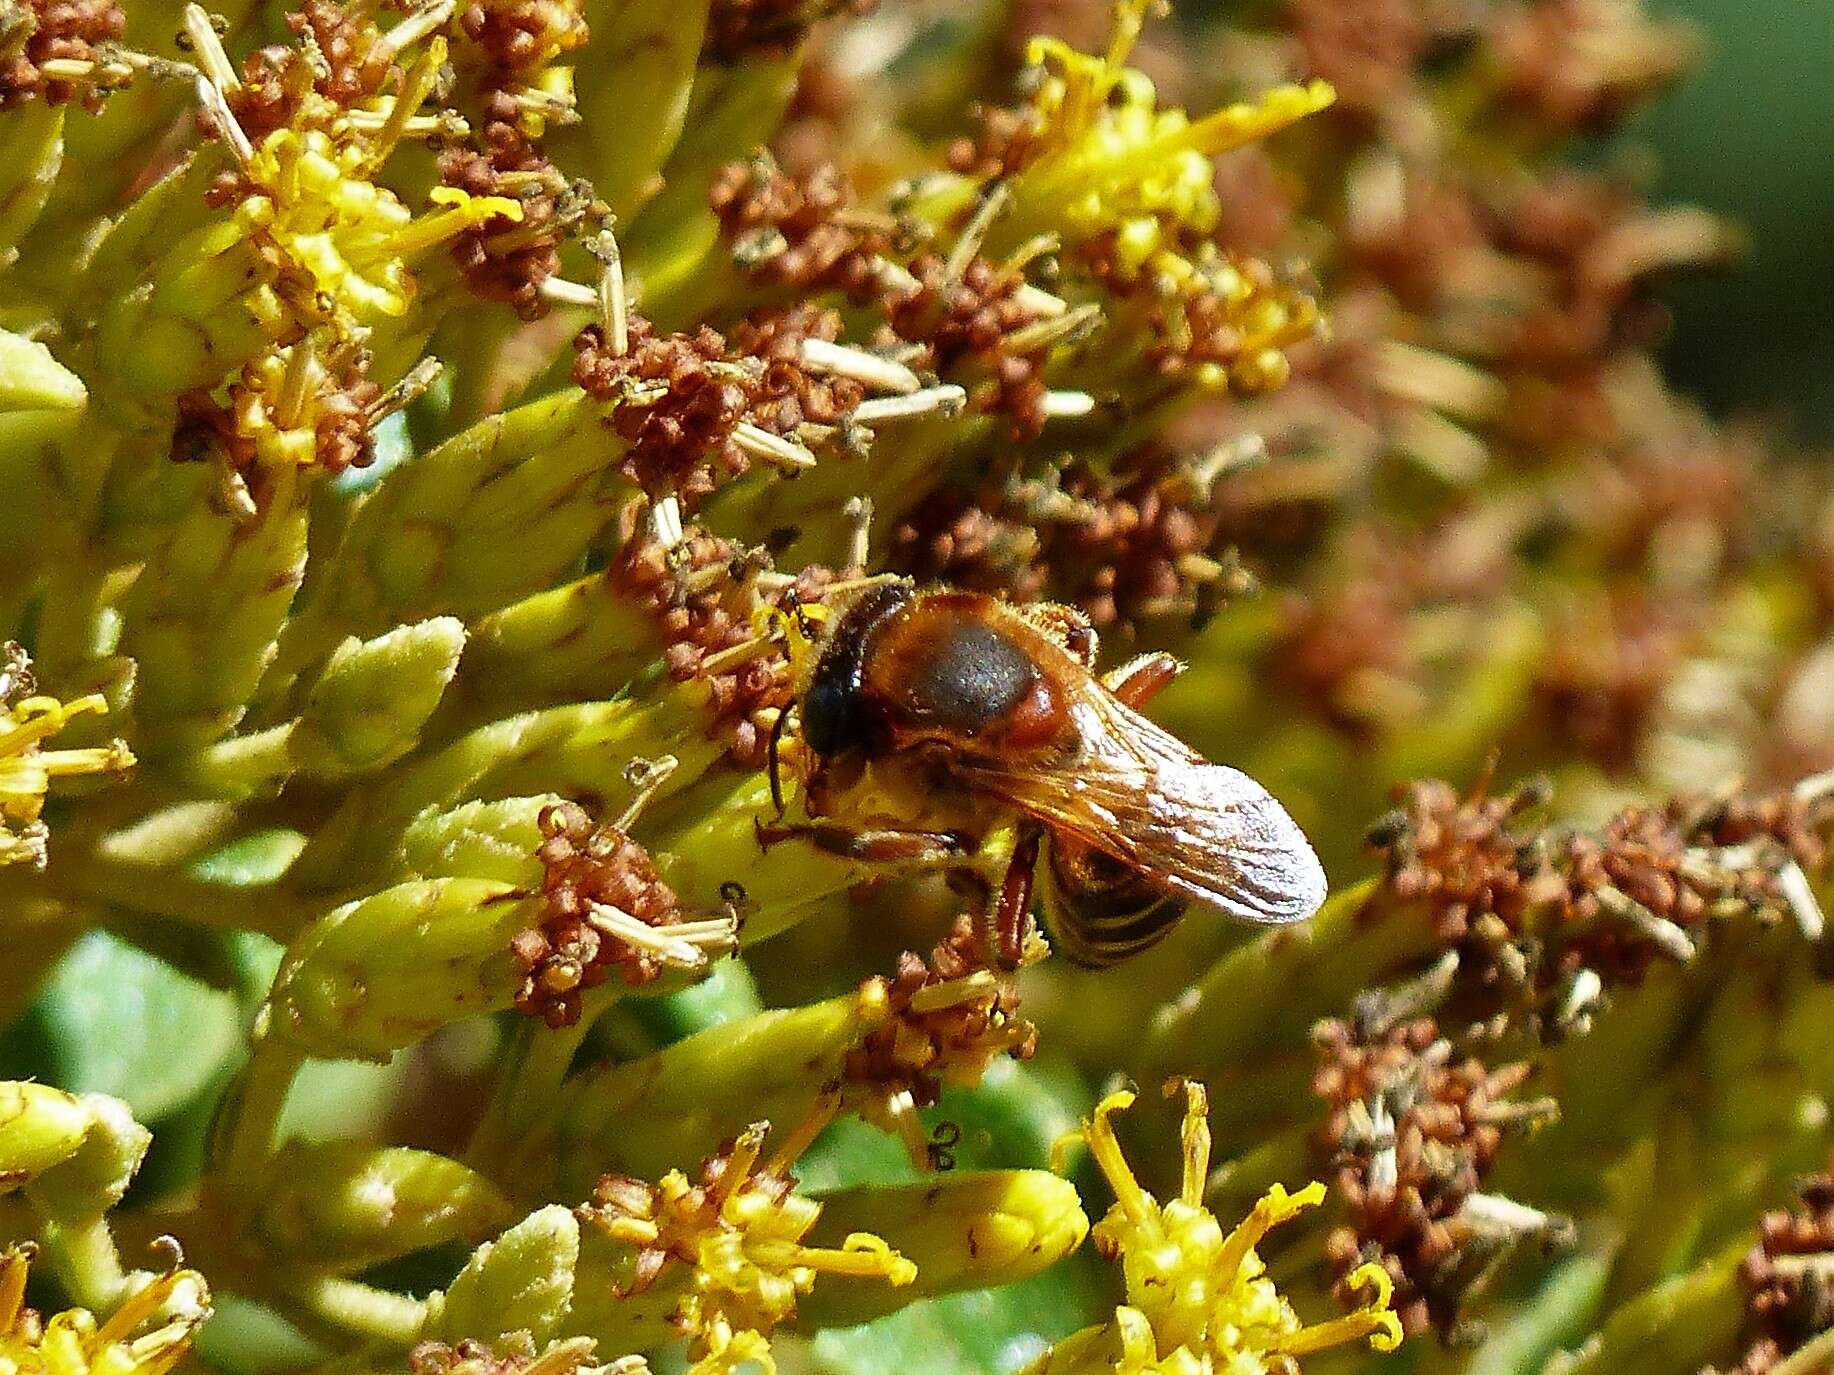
(935, 716)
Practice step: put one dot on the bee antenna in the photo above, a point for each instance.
(775, 757)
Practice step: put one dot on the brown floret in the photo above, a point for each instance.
(1366, 49)
(1789, 1279)
(587, 867)
(1528, 910)
(337, 54)
(705, 595)
(1127, 548)
(948, 1019)
(1581, 65)
(512, 1355)
(789, 395)
(741, 29)
(1335, 638)
(1604, 674)
(804, 232)
(951, 537)
(968, 321)
(504, 260)
(58, 30)
(1412, 1134)
(1006, 141)
(679, 400)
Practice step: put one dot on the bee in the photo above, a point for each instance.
(932, 717)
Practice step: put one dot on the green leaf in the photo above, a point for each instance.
(118, 1021)
(983, 1332)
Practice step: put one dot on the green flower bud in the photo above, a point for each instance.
(31, 152)
(581, 639)
(1683, 1323)
(31, 379)
(202, 620)
(521, 1282)
(644, 1116)
(962, 1231)
(348, 1205)
(94, 1177)
(582, 750)
(632, 94)
(383, 972)
(368, 707)
(486, 840)
(39, 1127)
(500, 511)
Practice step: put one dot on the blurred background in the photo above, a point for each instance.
(1751, 134)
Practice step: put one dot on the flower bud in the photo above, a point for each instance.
(31, 379)
(521, 1282)
(381, 973)
(348, 1205)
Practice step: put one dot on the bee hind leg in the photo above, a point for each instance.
(1010, 918)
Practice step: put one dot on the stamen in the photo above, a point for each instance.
(772, 448)
(687, 951)
(647, 776)
(1057, 327)
(869, 368)
(945, 401)
(208, 47)
(665, 520)
(1067, 405)
(416, 26)
(993, 204)
(564, 293)
(408, 390)
(614, 311)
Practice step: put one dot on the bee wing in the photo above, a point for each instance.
(1203, 830)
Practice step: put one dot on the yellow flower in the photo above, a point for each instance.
(1101, 155)
(26, 768)
(348, 238)
(147, 1335)
(741, 1229)
(1199, 1301)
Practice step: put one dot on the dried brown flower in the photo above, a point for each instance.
(948, 1019)
(59, 31)
(604, 909)
(738, 29)
(1412, 1133)
(337, 55)
(803, 232)
(1788, 1278)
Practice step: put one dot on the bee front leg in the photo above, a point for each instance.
(1141, 679)
(880, 847)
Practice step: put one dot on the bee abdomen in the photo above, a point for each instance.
(1098, 910)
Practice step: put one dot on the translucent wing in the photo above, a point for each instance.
(1132, 790)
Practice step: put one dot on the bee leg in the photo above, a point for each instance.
(1141, 679)
(918, 850)
(1012, 912)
